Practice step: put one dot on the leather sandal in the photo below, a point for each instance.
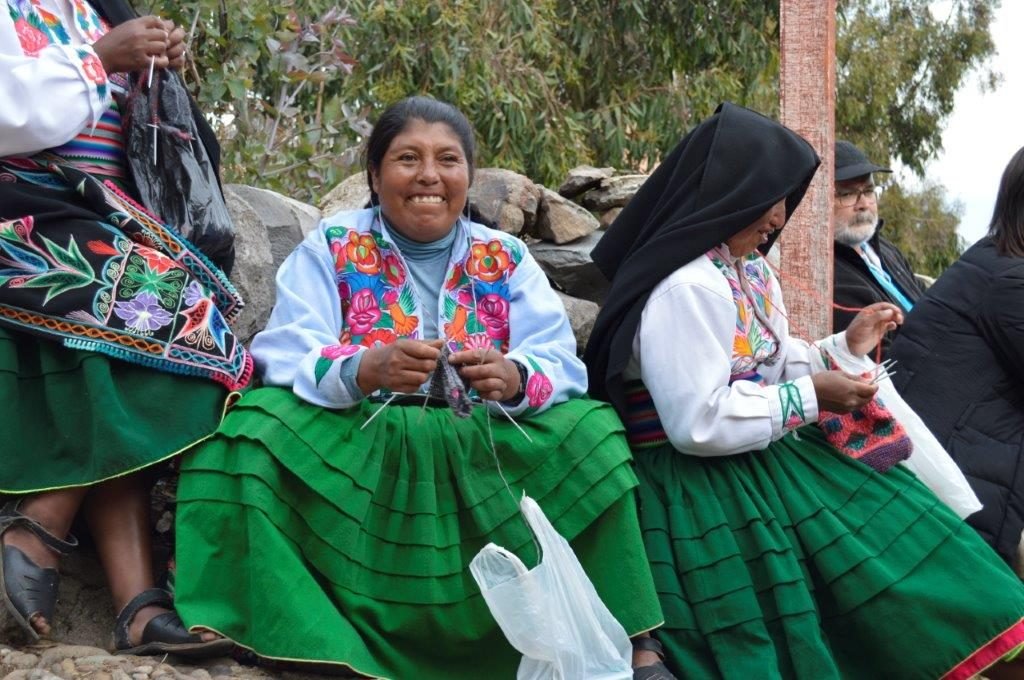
(27, 589)
(165, 633)
(656, 671)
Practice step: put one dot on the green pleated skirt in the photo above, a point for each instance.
(75, 418)
(305, 538)
(798, 562)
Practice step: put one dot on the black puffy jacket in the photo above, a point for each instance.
(961, 367)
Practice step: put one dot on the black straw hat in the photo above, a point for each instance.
(851, 162)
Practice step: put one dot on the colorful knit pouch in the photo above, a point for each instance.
(870, 434)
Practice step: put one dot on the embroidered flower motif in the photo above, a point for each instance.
(338, 253)
(158, 262)
(454, 278)
(488, 262)
(378, 336)
(394, 273)
(493, 310)
(31, 38)
(362, 250)
(538, 389)
(478, 341)
(93, 69)
(363, 311)
(333, 352)
(194, 293)
(143, 313)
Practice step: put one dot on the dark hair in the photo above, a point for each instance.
(397, 116)
(1007, 225)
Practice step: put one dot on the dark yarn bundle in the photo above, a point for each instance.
(446, 384)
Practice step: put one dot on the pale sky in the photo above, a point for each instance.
(985, 129)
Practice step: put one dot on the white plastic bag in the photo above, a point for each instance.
(929, 460)
(551, 613)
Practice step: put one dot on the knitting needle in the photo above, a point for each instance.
(882, 376)
(152, 64)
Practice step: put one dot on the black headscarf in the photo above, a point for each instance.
(724, 175)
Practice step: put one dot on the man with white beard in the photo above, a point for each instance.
(868, 268)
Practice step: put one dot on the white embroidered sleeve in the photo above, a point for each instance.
(299, 347)
(541, 340)
(48, 98)
(685, 350)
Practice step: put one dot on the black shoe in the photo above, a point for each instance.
(27, 589)
(165, 633)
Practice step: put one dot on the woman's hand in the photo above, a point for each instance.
(175, 45)
(402, 366)
(870, 325)
(494, 377)
(130, 46)
(840, 392)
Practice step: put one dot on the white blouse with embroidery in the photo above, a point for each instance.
(52, 91)
(346, 288)
(704, 327)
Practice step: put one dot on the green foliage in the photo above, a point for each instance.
(550, 84)
(899, 67)
(269, 76)
(922, 226)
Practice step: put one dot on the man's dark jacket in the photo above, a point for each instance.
(855, 287)
(961, 368)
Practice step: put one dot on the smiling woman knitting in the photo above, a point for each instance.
(332, 519)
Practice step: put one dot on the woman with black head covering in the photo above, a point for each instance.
(774, 554)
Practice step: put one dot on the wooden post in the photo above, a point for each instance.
(807, 82)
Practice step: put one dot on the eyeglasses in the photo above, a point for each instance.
(850, 197)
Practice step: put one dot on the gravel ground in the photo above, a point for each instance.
(50, 661)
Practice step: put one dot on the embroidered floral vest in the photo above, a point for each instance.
(378, 300)
(754, 342)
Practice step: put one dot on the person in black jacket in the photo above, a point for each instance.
(961, 357)
(868, 268)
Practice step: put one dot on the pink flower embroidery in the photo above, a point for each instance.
(478, 341)
(493, 310)
(93, 68)
(333, 352)
(538, 389)
(363, 312)
(31, 38)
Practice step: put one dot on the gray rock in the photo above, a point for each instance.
(352, 194)
(613, 192)
(582, 315)
(571, 269)
(55, 655)
(287, 220)
(583, 178)
(506, 199)
(562, 221)
(14, 661)
(608, 217)
(254, 270)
